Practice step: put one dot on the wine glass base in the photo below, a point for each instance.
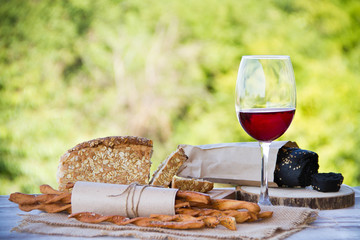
(264, 202)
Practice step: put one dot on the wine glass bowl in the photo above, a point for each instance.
(265, 103)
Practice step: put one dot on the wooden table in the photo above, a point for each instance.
(330, 224)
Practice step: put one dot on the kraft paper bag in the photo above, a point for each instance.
(234, 163)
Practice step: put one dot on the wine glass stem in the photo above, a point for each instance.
(264, 193)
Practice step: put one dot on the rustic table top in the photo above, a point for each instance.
(330, 224)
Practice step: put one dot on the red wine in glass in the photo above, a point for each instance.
(266, 124)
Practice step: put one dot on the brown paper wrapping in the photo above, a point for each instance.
(123, 200)
(234, 163)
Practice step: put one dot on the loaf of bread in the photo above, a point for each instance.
(191, 184)
(295, 167)
(168, 168)
(327, 182)
(119, 160)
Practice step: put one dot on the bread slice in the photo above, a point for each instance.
(168, 168)
(118, 159)
(191, 184)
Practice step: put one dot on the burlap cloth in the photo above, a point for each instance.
(285, 221)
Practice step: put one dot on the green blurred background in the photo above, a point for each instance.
(71, 71)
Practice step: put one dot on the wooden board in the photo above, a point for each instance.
(222, 193)
(301, 197)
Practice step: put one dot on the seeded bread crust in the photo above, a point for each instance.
(117, 159)
(168, 168)
(191, 184)
(113, 141)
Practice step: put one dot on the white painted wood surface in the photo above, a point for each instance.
(330, 224)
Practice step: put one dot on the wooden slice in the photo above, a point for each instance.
(302, 197)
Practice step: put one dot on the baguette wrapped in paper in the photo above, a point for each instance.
(240, 163)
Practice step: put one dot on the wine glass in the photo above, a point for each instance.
(265, 103)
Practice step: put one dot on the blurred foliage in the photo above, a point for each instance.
(75, 70)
